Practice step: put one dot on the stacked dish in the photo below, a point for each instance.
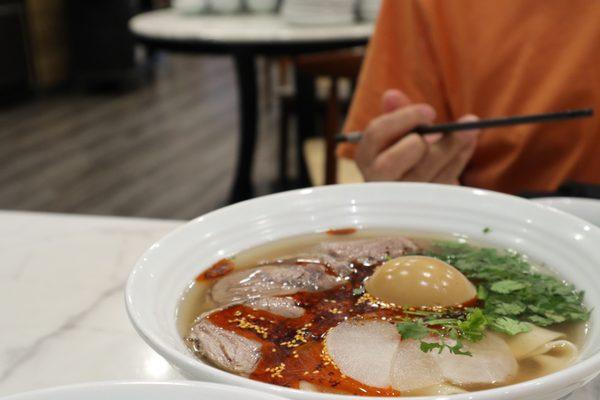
(587, 209)
(318, 12)
(261, 6)
(190, 6)
(225, 6)
(368, 10)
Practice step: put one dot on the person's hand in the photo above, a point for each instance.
(389, 151)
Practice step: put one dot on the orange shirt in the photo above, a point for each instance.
(495, 58)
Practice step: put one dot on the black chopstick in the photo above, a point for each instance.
(355, 137)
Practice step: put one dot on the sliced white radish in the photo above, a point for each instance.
(492, 362)
(413, 369)
(364, 350)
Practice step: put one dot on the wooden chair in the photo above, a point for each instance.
(336, 67)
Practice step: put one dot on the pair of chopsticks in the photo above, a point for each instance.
(355, 137)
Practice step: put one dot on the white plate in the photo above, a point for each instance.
(587, 209)
(145, 391)
(565, 243)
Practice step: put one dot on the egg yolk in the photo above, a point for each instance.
(419, 281)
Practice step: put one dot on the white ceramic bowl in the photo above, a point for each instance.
(565, 243)
(144, 391)
(587, 209)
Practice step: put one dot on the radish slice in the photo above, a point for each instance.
(491, 362)
(364, 350)
(412, 369)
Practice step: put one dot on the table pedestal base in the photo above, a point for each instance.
(245, 66)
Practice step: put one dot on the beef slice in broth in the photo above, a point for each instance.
(340, 256)
(271, 280)
(224, 348)
(282, 306)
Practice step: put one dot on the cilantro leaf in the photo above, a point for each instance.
(515, 308)
(482, 292)
(456, 348)
(473, 327)
(426, 347)
(539, 320)
(412, 330)
(507, 286)
(510, 326)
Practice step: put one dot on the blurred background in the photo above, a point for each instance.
(97, 120)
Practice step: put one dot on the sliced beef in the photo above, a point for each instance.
(339, 256)
(271, 280)
(282, 306)
(367, 251)
(224, 348)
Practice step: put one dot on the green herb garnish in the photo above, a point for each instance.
(510, 326)
(512, 292)
(487, 230)
(412, 330)
(511, 295)
(449, 331)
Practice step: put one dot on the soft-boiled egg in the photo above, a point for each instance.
(420, 281)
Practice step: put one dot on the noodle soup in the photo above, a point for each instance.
(382, 313)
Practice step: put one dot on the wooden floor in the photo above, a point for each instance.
(165, 150)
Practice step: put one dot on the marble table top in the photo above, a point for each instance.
(240, 28)
(61, 300)
(62, 304)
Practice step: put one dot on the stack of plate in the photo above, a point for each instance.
(368, 10)
(190, 6)
(318, 12)
(225, 6)
(261, 6)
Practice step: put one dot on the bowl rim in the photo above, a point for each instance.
(136, 383)
(570, 375)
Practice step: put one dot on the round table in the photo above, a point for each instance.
(244, 37)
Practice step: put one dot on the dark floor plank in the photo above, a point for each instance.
(164, 150)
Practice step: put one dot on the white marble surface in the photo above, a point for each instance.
(63, 318)
(168, 24)
(62, 310)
